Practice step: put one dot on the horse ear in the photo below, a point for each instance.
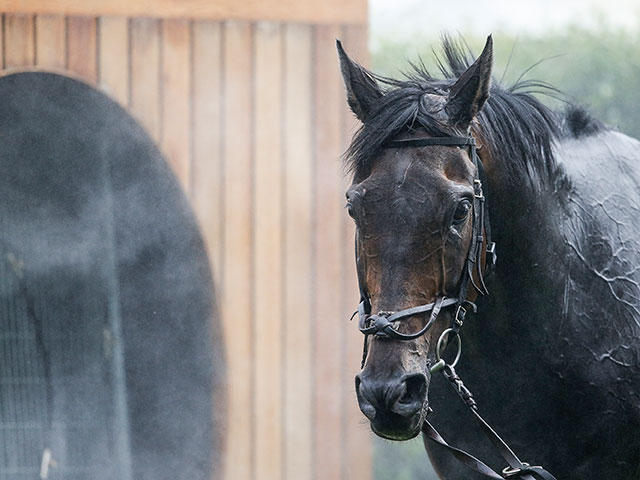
(362, 89)
(471, 90)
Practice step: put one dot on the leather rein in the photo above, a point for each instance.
(383, 324)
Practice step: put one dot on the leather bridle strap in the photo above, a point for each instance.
(434, 141)
(526, 472)
(516, 469)
(463, 457)
(382, 324)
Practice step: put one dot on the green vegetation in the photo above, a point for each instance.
(598, 69)
(401, 460)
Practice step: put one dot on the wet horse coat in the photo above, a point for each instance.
(553, 356)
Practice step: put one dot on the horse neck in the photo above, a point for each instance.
(528, 281)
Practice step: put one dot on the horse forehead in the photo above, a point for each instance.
(430, 167)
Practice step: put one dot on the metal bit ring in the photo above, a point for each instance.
(439, 346)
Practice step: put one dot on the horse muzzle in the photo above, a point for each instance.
(395, 407)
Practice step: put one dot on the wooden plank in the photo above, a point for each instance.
(207, 186)
(328, 211)
(82, 47)
(327, 11)
(51, 45)
(2, 35)
(19, 48)
(207, 175)
(176, 93)
(114, 57)
(237, 292)
(298, 160)
(268, 250)
(144, 83)
(357, 438)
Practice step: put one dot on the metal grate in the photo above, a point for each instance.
(57, 362)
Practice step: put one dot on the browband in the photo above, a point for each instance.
(431, 142)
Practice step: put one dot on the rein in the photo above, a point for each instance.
(382, 323)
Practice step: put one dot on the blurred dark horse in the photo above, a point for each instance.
(553, 355)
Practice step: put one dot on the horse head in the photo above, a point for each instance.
(416, 205)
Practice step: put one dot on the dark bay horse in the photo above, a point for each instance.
(553, 354)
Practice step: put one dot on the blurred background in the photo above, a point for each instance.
(245, 104)
(589, 50)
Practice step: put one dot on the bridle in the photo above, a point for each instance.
(382, 323)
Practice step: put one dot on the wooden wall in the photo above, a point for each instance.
(251, 116)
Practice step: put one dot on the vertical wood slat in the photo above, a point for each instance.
(145, 73)
(19, 40)
(176, 86)
(51, 48)
(207, 178)
(113, 57)
(2, 41)
(328, 245)
(268, 250)
(357, 434)
(82, 47)
(298, 160)
(237, 293)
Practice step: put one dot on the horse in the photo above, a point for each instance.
(445, 166)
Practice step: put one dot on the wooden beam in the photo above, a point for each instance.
(207, 187)
(51, 47)
(236, 290)
(114, 57)
(308, 11)
(82, 47)
(176, 90)
(328, 243)
(19, 45)
(145, 74)
(268, 247)
(298, 158)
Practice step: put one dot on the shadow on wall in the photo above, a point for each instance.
(106, 299)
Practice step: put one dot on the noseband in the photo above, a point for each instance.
(382, 323)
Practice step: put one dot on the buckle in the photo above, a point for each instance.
(512, 472)
(461, 313)
(477, 189)
(491, 250)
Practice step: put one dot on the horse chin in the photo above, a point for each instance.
(397, 434)
(397, 428)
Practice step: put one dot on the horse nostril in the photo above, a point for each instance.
(366, 406)
(414, 395)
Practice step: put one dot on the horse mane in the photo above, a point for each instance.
(513, 124)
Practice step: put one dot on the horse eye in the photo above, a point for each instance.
(462, 210)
